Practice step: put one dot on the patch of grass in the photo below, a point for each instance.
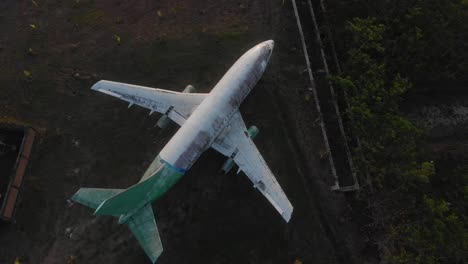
(27, 74)
(91, 17)
(31, 52)
(177, 8)
(83, 2)
(235, 32)
(117, 39)
(8, 120)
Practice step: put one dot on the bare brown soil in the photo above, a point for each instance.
(88, 139)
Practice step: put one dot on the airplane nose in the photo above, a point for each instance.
(270, 43)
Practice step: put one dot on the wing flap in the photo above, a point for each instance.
(156, 100)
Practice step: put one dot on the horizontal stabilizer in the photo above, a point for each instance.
(93, 197)
(143, 226)
(132, 198)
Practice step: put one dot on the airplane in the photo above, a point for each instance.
(206, 120)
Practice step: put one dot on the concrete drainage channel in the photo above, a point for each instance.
(15, 147)
(323, 93)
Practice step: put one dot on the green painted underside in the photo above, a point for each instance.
(133, 205)
(149, 189)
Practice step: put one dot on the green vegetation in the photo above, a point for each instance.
(89, 17)
(391, 47)
(27, 74)
(117, 39)
(234, 32)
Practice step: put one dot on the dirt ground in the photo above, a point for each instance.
(51, 52)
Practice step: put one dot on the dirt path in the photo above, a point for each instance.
(91, 140)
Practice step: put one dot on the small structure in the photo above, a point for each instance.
(15, 148)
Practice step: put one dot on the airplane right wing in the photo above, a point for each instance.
(238, 145)
(177, 106)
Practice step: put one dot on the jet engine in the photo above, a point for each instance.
(164, 121)
(229, 163)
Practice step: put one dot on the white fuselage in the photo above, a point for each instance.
(214, 113)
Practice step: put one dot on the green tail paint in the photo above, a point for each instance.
(133, 205)
(93, 197)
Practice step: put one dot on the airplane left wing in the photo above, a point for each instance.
(237, 144)
(177, 106)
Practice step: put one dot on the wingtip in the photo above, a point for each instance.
(287, 215)
(97, 85)
(76, 196)
(154, 258)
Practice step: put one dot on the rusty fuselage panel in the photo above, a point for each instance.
(214, 113)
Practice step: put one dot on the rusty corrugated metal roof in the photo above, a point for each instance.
(8, 207)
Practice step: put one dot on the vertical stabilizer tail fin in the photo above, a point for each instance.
(143, 226)
(93, 197)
